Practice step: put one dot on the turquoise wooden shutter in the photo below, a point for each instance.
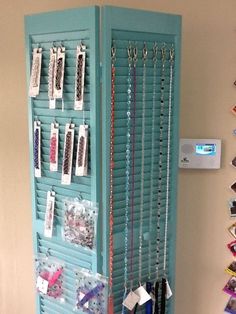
(69, 28)
(121, 26)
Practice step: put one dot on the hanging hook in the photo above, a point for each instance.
(145, 52)
(82, 46)
(80, 197)
(129, 50)
(70, 123)
(135, 53)
(155, 52)
(48, 253)
(113, 52)
(55, 122)
(172, 53)
(61, 46)
(38, 46)
(163, 52)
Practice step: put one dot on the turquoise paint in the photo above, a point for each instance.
(123, 25)
(70, 26)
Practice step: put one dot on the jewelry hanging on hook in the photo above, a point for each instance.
(35, 72)
(130, 300)
(111, 197)
(80, 77)
(149, 283)
(68, 153)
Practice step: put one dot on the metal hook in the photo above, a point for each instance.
(54, 48)
(155, 52)
(55, 123)
(70, 122)
(80, 197)
(81, 46)
(61, 46)
(113, 51)
(172, 53)
(37, 120)
(48, 253)
(145, 52)
(135, 53)
(38, 46)
(163, 52)
(129, 51)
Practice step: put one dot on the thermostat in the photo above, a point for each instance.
(199, 153)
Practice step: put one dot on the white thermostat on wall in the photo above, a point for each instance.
(199, 153)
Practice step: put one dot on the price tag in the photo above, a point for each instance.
(143, 295)
(131, 300)
(168, 290)
(42, 285)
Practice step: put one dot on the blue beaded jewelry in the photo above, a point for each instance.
(36, 149)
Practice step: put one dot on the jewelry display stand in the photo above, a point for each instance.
(119, 121)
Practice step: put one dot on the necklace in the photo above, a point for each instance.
(142, 162)
(159, 191)
(165, 285)
(127, 171)
(111, 202)
(135, 59)
(149, 304)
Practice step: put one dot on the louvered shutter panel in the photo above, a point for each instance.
(68, 28)
(122, 27)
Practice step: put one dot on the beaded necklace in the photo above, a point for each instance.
(127, 171)
(111, 201)
(149, 304)
(160, 175)
(166, 292)
(142, 162)
(135, 59)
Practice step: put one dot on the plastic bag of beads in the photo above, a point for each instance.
(80, 223)
(49, 277)
(91, 292)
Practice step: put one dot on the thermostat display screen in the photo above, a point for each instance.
(205, 149)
